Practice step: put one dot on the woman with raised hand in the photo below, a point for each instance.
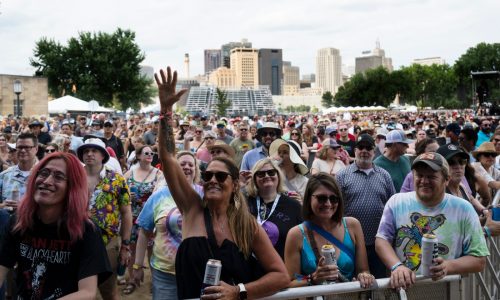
(219, 226)
(58, 251)
(323, 209)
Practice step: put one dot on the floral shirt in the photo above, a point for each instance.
(110, 193)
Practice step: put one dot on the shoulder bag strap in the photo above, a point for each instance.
(331, 239)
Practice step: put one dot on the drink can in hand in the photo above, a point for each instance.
(429, 253)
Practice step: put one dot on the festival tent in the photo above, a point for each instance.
(71, 104)
(352, 109)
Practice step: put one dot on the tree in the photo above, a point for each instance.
(327, 99)
(222, 102)
(99, 66)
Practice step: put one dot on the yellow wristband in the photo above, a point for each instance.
(137, 267)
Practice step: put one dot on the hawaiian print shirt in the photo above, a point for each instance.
(110, 193)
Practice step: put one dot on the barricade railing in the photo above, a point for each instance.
(425, 288)
(485, 284)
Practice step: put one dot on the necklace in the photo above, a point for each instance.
(219, 224)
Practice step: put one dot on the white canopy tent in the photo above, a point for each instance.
(71, 104)
(352, 109)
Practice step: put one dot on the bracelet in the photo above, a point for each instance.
(166, 114)
(487, 232)
(125, 242)
(396, 265)
(137, 267)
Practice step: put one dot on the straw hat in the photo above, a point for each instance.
(486, 147)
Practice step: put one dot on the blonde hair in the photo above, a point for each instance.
(252, 188)
(242, 224)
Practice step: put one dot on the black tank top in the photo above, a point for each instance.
(192, 257)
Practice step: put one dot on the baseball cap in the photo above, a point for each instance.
(433, 160)
(332, 143)
(221, 124)
(397, 136)
(453, 127)
(450, 150)
(331, 129)
(366, 139)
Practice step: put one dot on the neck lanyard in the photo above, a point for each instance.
(259, 220)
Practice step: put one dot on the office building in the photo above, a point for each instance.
(291, 79)
(328, 70)
(372, 60)
(223, 78)
(271, 69)
(213, 60)
(244, 62)
(226, 51)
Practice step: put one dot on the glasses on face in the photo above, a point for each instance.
(56, 175)
(198, 131)
(364, 147)
(323, 198)
(294, 133)
(269, 133)
(149, 153)
(486, 125)
(457, 161)
(343, 129)
(2, 140)
(24, 148)
(209, 138)
(262, 174)
(243, 129)
(219, 176)
(489, 155)
(50, 150)
(216, 152)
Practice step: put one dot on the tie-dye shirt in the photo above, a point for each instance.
(453, 221)
(160, 214)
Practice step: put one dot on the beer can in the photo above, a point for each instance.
(429, 249)
(328, 251)
(212, 273)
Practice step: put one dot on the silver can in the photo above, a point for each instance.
(212, 273)
(328, 251)
(429, 249)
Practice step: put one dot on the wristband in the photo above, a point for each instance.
(487, 232)
(137, 267)
(167, 114)
(396, 265)
(125, 242)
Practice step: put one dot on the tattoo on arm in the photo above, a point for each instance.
(168, 134)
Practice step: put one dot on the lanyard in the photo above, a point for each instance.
(259, 220)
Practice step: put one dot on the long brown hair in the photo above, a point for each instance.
(242, 224)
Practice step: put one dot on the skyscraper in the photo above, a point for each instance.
(244, 62)
(226, 51)
(213, 60)
(270, 69)
(291, 79)
(373, 61)
(328, 70)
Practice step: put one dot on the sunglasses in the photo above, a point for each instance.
(216, 152)
(362, 147)
(343, 129)
(262, 174)
(243, 129)
(209, 138)
(149, 153)
(219, 176)
(198, 131)
(294, 133)
(455, 162)
(323, 198)
(489, 154)
(50, 150)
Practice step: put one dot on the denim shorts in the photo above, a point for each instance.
(164, 285)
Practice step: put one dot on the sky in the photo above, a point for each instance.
(166, 30)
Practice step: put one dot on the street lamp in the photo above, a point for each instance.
(18, 89)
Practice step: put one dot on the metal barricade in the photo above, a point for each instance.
(425, 288)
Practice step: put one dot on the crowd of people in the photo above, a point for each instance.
(90, 203)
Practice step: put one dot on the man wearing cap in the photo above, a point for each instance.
(407, 217)
(265, 135)
(43, 138)
(366, 188)
(394, 160)
(113, 142)
(204, 124)
(96, 128)
(222, 134)
(109, 206)
(242, 144)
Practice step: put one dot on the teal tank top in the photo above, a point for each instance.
(344, 262)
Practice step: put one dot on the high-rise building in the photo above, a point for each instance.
(373, 61)
(244, 62)
(291, 79)
(213, 60)
(311, 78)
(186, 65)
(429, 61)
(271, 69)
(328, 70)
(223, 78)
(226, 51)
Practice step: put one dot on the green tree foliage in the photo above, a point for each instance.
(327, 99)
(299, 109)
(99, 66)
(222, 102)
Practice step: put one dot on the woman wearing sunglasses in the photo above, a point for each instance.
(217, 226)
(141, 180)
(296, 136)
(327, 159)
(322, 211)
(485, 157)
(51, 148)
(270, 204)
(57, 249)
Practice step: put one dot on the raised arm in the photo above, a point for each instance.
(184, 195)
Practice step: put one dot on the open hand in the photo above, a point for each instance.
(166, 88)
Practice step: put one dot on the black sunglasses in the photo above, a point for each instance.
(489, 154)
(364, 147)
(262, 174)
(50, 150)
(219, 176)
(323, 198)
(268, 133)
(458, 161)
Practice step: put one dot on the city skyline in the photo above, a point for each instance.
(407, 30)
